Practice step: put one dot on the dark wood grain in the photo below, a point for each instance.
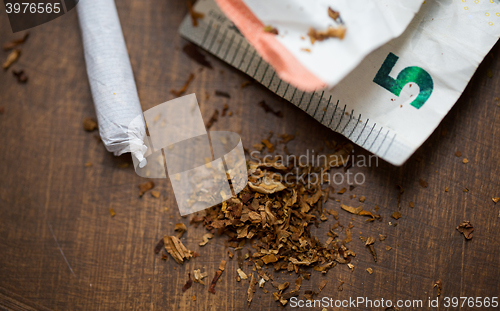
(61, 250)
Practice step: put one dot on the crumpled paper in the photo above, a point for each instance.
(397, 96)
(369, 24)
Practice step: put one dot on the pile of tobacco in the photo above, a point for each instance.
(275, 217)
(14, 56)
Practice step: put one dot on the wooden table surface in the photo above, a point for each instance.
(61, 250)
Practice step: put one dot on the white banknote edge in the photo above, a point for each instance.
(366, 113)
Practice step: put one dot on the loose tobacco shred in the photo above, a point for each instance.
(224, 110)
(143, 188)
(188, 284)
(206, 238)
(396, 215)
(211, 289)
(369, 244)
(222, 265)
(222, 94)
(309, 294)
(268, 186)
(283, 297)
(269, 258)
(288, 295)
(271, 29)
(184, 87)
(283, 286)
(20, 76)
(439, 285)
(239, 257)
(193, 52)
(330, 32)
(89, 124)
(242, 274)
(466, 228)
(267, 109)
(298, 282)
(423, 183)
(180, 228)
(285, 138)
(244, 84)
(159, 246)
(268, 145)
(14, 43)
(154, 194)
(11, 59)
(401, 191)
(176, 249)
(322, 285)
(341, 286)
(333, 14)
(251, 289)
(198, 276)
(358, 211)
(258, 147)
(194, 15)
(213, 119)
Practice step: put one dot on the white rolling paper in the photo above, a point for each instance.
(111, 79)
